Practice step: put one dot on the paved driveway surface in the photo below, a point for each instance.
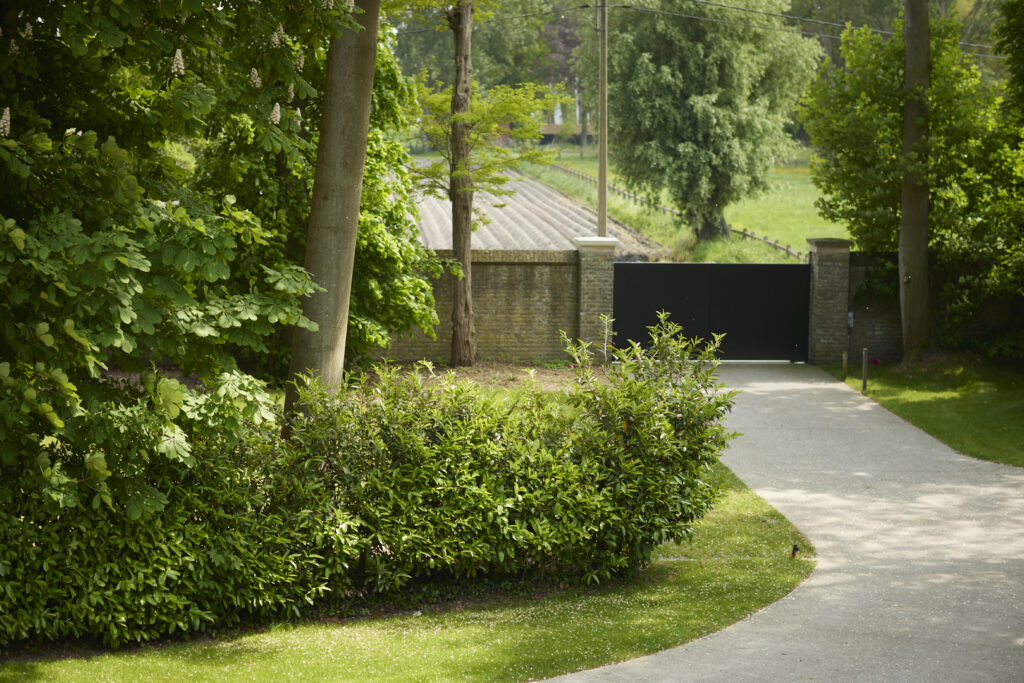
(920, 572)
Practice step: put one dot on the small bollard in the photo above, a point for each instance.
(864, 371)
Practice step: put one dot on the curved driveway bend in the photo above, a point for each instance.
(920, 572)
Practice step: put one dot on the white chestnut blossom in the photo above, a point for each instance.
(275, 114)
(254, 78)
(291, 92)
(300, 60)
(178, 64)
(5, 123)
(277, 37)
(13, 50)
(28, 32)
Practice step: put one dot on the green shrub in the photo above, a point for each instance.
(245, 531)
(396, 484)
(447, 482)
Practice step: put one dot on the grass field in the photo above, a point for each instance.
(971, 403)
(786, 212)
(737, 563)
(664, 229)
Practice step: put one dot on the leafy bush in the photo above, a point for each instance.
(391, 485)
(245, 531)
(447, 482)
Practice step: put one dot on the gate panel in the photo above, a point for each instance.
(761, 308)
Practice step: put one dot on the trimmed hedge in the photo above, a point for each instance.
(394, 483)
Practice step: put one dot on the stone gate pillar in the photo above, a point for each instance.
(596, 285)
(830, 286)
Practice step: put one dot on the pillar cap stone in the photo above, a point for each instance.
(828, 244)
(599, 244)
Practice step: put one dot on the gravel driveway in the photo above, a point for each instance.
(920, 571)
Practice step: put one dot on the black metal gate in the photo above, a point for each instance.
(761, 308)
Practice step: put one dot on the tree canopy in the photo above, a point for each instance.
(697, 107)
(155, 159)
(971, 157)
(1010, 37)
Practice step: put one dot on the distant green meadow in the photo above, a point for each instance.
(785, 212)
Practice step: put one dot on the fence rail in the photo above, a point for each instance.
(643, 201)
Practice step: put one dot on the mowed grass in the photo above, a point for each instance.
(738, 562)
(971, 403)
(785, 212)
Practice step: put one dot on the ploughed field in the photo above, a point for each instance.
(536, 217)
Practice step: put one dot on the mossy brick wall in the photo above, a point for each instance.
(521, 302)
(876, 317)
(836, 279)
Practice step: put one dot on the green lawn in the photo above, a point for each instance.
(786, 212)
(971, 403)
(738, 563)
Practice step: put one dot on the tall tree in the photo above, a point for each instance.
(337, 188)
(1010, 37)
(460, 191)
(915, 312)
(697, 106)
(970, 157)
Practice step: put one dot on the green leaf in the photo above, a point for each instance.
(173, 444)
(171, 395)
(17, 237)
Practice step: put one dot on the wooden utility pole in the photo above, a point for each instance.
(915, 309)
(602, 112)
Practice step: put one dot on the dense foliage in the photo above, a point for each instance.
(390, 287)
(388, 486)
(972, 160)
(513, 43)
(1010, 43)
(697, 109)
(154, 169)
(512, 115)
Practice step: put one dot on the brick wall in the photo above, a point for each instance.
(596, 285)
(836, 292)
(522, 300)
(830, 283)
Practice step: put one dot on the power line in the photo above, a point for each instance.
(791, 17)
(716, 20)
(727, 22)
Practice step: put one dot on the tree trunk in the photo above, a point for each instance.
(460, 186)
(711, 227)
(337, 189)
(583, 133)
(915, 311)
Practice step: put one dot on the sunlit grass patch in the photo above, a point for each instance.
(738, 562)
(968, 402)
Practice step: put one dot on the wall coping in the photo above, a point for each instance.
(515, 255)
(596, 244)
(828, 244)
